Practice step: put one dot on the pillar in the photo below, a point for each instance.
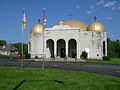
(55, 48)
(78, 48)
(67, 48)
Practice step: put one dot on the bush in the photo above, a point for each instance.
(27, 56)
(106, 58)
(36, 57)
(81, 57)
(84, 54)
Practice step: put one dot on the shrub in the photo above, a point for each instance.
(106, 58)
(84, 54)
(27, 56)
(81, 57)
(36, 57)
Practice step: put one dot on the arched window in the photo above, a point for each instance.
(29, 46)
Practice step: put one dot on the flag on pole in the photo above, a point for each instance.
(24, 20)
(44, 20)
(44, 17)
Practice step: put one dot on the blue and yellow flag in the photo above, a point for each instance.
(24, 21)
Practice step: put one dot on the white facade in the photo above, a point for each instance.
(64, 41)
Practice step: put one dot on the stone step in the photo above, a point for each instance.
(61, 59)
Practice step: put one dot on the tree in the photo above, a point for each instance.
(2, 42)
(19, 47)
(113, 48)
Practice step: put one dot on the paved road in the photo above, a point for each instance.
(109, 69)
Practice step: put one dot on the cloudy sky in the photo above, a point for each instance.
(107, 12)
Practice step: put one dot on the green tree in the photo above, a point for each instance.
(110, 48)
(113, 48)
(19, 47)
(2, 42)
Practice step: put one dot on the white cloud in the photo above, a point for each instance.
(89, 12)
(108, 18)
(113, 8)
(78, 6)
(109, 4)
(119, 7)
(100, 2)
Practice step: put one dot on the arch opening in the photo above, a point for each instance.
(50, 46)
(61, 51)
(72, 48)
(104, 48)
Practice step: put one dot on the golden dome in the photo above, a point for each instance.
(96, 26)
(74, 23)
(37, 28)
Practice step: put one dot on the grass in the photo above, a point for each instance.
(13, 55)
(112, 61)
(16, 78)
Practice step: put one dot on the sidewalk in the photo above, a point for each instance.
(56, 59)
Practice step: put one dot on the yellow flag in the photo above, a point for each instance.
(24, 22)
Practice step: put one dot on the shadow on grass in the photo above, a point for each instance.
(23, 81)
(58, 81)
(19, 85)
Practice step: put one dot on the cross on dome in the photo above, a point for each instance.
(23, 10)
(38, 20)
(95, 18)
(61, 22)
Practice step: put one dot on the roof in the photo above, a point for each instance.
(8, 47)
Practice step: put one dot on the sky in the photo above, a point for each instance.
(107, 12)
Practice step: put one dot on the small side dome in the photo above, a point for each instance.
(37, 28)
(96, 26)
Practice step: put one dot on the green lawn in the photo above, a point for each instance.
(16, 78)
(112, 61)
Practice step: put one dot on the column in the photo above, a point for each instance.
(55, 49)
(106, 48)
(78, 48)
(67, 48)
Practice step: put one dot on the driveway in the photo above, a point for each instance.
(108, 69)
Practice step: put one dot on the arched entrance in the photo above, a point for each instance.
(50, 45)
(104, 48)
(61, 48)
(72, 48)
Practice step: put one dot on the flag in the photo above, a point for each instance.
(44, 20)
(44, 17)
(24, 21)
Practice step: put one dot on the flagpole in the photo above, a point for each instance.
(43, 66)
(22, 48)
(23, 27)
(44, 22)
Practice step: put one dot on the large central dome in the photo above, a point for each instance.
(74, 23)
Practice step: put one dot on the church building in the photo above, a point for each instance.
(68, 38)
